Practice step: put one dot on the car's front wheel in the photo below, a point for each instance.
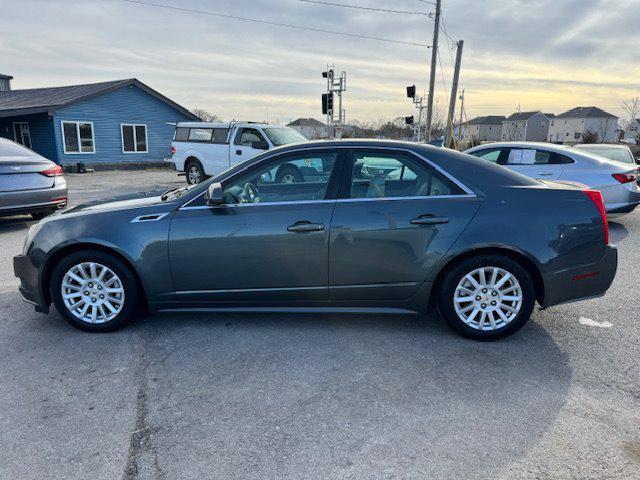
(487, 297)
(94, 291)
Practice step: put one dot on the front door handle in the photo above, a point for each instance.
(545, 174)
(302, 227)
(429, 220)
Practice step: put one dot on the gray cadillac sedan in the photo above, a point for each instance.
(371, 226)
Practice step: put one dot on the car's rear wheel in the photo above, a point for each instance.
(487, 297)
(94, 291)
(44, 213)
(195, 172)
(289, 173)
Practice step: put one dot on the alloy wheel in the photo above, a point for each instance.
(92, 292)
(193, 175)
(488, 298)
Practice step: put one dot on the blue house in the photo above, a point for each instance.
(122, 121)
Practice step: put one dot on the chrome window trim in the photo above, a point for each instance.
(468, 192)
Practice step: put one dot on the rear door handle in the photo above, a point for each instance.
(545, 174)
(302, 227)
(238, 152)
(429, 220)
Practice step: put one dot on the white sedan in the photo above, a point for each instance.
(545, 161)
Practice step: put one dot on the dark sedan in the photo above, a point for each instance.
(481, 242)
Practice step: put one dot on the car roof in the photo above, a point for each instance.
(553, 147)
(596, 146)
(224, 124)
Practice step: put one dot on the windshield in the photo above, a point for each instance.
(283, 135)
(618, 154)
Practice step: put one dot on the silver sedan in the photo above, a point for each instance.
(29, 183)
(618, 182)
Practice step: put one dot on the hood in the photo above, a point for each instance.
(121, 202)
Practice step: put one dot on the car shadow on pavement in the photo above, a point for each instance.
(617, 231)
(13, 224)
(341, 396)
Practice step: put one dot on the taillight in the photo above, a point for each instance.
(596, 198)
(173, 150)
(54, 171)
(625, 177)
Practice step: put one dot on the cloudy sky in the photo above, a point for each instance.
(540, 54)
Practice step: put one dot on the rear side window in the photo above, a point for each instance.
(182, 134)
(532, 156)
(201, 134)
(378, 174)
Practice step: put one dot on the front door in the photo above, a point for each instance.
(398, 218)
(21, 134)
(269, 242)
(242, 147)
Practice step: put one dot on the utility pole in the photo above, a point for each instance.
(432, 77)
(334, 86)
(448, 135)
(461, 113)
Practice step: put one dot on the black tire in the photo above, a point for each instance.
(195, 172)
(458, 272)
(41, 215)
(289, 172)
(131, 306)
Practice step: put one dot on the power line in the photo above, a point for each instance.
(276, 24)
(358, 7)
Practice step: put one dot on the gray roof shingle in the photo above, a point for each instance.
(522, 116)
(36, 100)
(487, 120)
(306, 122)
(586, 112)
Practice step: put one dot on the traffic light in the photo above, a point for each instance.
(327, 103)
(409, 120)
(328, 74)
(411, 91)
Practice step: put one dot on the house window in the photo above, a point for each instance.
(134, 138)
(78, 137)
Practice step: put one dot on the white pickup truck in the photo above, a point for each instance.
(203, 149)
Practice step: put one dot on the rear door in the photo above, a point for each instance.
(534, 162)
(396, 217)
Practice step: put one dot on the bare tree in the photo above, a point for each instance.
(205, 116)
(631, 108)
(605, 129)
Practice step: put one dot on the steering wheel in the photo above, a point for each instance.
(250, 193)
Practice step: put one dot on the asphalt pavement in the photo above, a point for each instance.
(289, 396)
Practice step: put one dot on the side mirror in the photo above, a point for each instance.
(214, 196)
(260, 145)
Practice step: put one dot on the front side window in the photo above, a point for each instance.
(134, 138)
(490, 154)
(247, 136)
(78, 137)
(296, 177)
(396, 174)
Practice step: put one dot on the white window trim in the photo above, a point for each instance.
(80, 152)
(135, 139)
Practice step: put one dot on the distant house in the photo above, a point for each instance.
(484, 129)
(309, 128)
(109, 122)
(632, 131)
(568, 127)
(526, 126)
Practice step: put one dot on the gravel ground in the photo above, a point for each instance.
(285, 396)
